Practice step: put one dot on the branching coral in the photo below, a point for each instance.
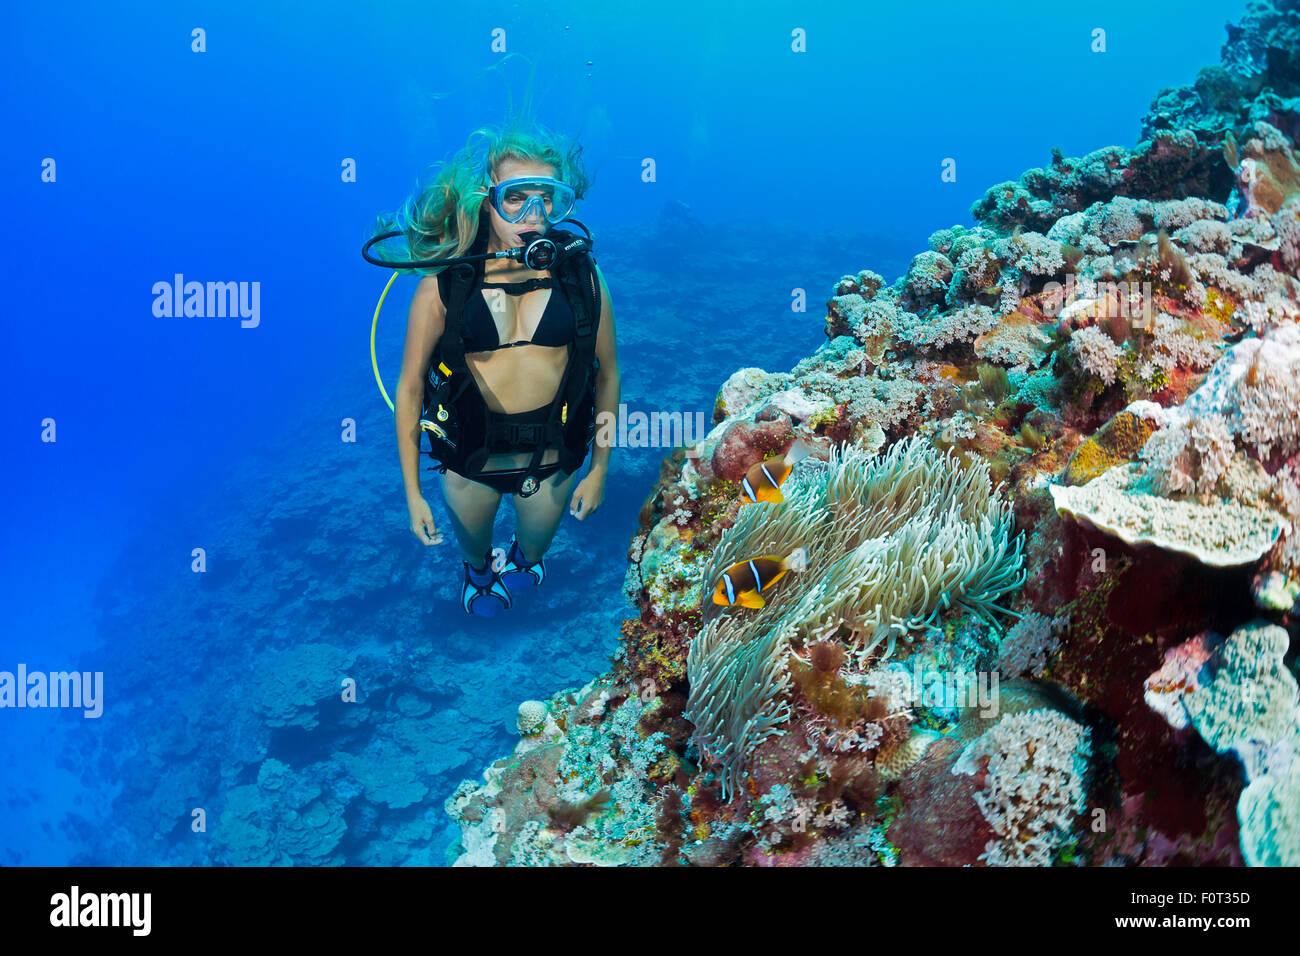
(954, 327)
(1029, 643)
(1173, 347)
(1096, 353)
(1035, 767)
(1033, 253)
(977, 269)
(1251, 395)
(891, 543)
(1267, 390)
(1017, 340)
(928, 275)
(1119, 220)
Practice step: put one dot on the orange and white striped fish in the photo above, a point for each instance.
(744, 582)
(763, 481)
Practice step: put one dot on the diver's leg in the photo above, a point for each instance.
(538, 515)
(473, 508)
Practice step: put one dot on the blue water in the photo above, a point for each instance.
(774, 170)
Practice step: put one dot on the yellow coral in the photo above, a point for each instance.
(1116, 442)
(1218, 305)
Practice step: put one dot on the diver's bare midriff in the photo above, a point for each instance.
(525, 377)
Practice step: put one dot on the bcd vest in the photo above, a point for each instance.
(460, 425)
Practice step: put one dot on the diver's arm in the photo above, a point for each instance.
(424, 327)
(607, 376)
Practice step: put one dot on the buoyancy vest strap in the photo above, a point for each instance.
(462, 281)
(452, 344)
(523, 285)
(550, 426)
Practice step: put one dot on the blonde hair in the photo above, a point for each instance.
(443, 219)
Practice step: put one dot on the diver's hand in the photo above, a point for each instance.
(588, 495)
(422, 522)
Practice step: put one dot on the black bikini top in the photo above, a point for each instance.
(556, 326)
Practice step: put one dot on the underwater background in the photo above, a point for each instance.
(741, 153)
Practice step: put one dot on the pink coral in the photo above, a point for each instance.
(1185, 669)
(744, 443)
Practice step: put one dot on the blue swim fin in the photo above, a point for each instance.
(484, 593)
(518, 573)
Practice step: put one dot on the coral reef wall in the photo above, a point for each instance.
(1044, 612)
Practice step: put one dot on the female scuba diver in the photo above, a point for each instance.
(519, 330)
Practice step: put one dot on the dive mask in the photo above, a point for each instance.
(515, 199)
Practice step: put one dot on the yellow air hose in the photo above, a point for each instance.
(374, 362)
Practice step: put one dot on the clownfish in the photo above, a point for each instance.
(743, 582)
(763, 481)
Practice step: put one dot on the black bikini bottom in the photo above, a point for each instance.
(506, 481)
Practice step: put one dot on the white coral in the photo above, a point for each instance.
(1029, 643)
(1173, 347)
(959, 325)
(1035, 784)
(1096, 353)
(531, 717)
(1188, 456)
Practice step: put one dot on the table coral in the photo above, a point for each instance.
(386, 779)
(258, 828)
(1121, 503)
